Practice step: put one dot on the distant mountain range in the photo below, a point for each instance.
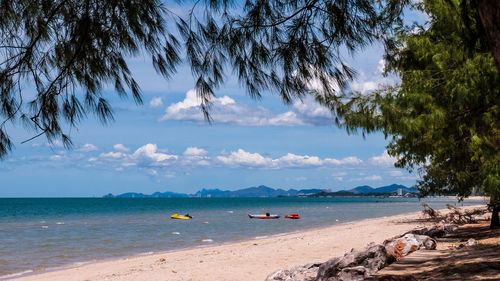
(265, 191)
(364, 189)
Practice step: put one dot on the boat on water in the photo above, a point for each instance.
(293, 216)
(180, 217)
(263, 216)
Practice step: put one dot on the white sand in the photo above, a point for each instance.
(250, 260)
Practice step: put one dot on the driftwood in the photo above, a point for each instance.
(454, 216)
(357, 264)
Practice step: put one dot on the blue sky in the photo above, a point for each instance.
(166, 145)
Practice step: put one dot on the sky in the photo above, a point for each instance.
(166, 145)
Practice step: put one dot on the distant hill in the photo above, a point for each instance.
(365, 189)
(254, 191)
(167, 194)
(259, 191)
(394, 188)
(369, 191)
(362, 189)
(265, 191)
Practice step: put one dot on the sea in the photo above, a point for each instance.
(38, 234)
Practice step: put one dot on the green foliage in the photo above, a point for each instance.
(283, 45)
(71, 49)
(444, 116)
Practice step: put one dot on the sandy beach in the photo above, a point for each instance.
(248, 260)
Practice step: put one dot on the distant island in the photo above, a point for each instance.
(267, 192)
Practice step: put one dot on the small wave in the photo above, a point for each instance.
(205, 222)
(207, 240)
(59, 222)
(336, 220)
(44, 226)
(80, 263)
(175, 233)
(42, 221)
(16, 274)
(261, 237)
(230, 212)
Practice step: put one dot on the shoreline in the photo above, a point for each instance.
(30, 272)
(248, 259)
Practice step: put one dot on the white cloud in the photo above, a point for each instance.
(314, 81)
(150, 157)
(383, 160)
(351, 160)
(54, 143)
(187, 110)
(309, 107)
(243, 158)
(310, 112)
(291, 160)
(121, 147)
(286, 119)
(87, 148)
(364, 86)
(195, 156)
(112, 154)
(381, 65)
(225, 110)
(195, 151)
(156, 102)
(367, 83)
(148, 154)
(203, 163)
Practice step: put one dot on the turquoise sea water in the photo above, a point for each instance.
(40, 234)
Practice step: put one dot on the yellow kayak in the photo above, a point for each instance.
(177, 216)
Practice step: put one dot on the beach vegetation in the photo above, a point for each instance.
(443, 118)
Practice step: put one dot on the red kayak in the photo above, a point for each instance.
(263, 216)
(293, 216)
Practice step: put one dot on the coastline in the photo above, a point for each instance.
(250, 259)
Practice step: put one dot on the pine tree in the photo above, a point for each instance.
(444, 116)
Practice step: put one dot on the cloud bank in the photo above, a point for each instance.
(225, 110)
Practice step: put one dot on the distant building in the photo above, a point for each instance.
(400, 192)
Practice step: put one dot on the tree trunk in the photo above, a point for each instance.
(495, 221)
(489, 12)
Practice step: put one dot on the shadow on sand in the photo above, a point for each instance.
(454, 261)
